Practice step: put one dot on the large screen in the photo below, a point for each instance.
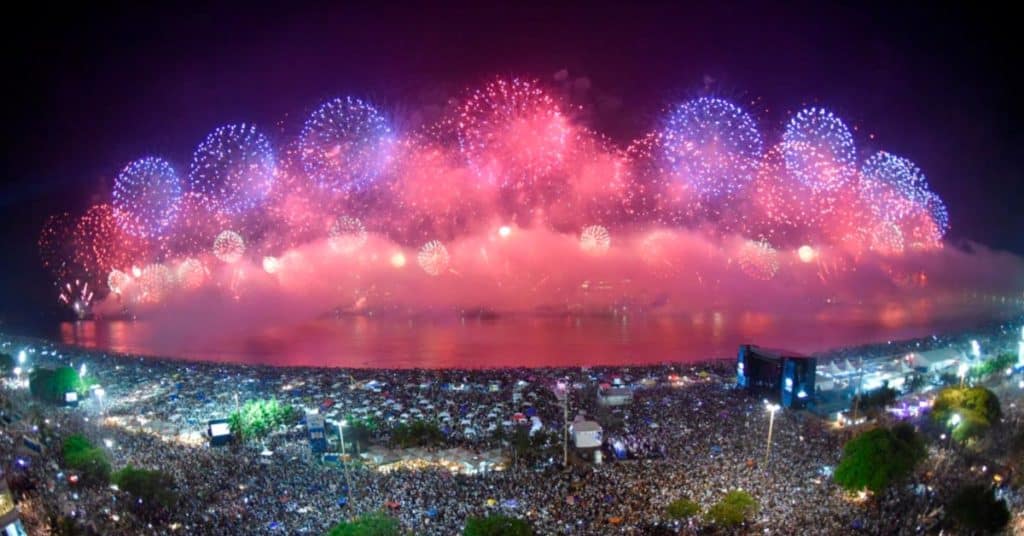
(220, 429)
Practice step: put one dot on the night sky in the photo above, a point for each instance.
(96, 88)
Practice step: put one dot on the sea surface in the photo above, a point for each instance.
(507, 341)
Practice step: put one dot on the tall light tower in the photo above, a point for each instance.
(341, 437)
(564, 388)
(772, 408)
(1020, 348)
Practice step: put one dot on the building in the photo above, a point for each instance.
(10, 524)
(586, 434)
(317, 432)
(781, 375)
(937, 361)
(219, 432)
(614, 396)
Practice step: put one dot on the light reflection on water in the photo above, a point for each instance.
(513, 341)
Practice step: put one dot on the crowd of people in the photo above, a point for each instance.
(687, 433)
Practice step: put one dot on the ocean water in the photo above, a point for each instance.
(507, 341)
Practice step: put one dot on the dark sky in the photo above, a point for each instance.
(95, 87)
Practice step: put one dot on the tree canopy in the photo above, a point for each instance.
(878, 457)
(496, 525)
(152, 487)
(977, 408)
(416, 434)
(51, 384)
(977, 508)
(375, 524)
(89, 461)
(682, 509)
(7, 364)
(258, 418)
(994, 365)
(734, 509)
(878, 398)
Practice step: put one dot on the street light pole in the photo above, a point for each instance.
(772, 408)
(341, 437)
(565, 427)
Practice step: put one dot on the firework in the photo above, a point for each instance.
(759, 260)
(56, 245)
(155, 283)
(271, 264)
(102, 244)
(297, 209)
(347, 234)
(595, 239)
(504, 165)
(145, 197)
(597, 175)
(511, 133)
(229, 246)
(887, 239)
(806, 253)
(936, 208)
(78, 296)
(233, 168)
(191, 274)
(783, 208)
(898, 181)
(194, 228)
(819, 150)
(118, 281)
(714, 146)
(433, 258)
(345, 144)
(649, 196)
(432, 196)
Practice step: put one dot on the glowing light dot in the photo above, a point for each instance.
(595, 239)
(136, 271)
(504, 231)
(433, 258)
(229, 247)
(398, 259)
(806, 253)
(271, 265)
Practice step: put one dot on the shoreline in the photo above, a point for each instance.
(824, 356)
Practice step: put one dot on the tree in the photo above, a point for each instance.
(258, 418)
(496, 525)
(734, 509)
(977, 409)
(878, 457)
(416, 434)
(90, 462)
(7, 364)
(994, 365)
(359, 431)
(153, 488)
(976, 508)
(52, 384)
(375, 524)
(878, 398)
(682, 509)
